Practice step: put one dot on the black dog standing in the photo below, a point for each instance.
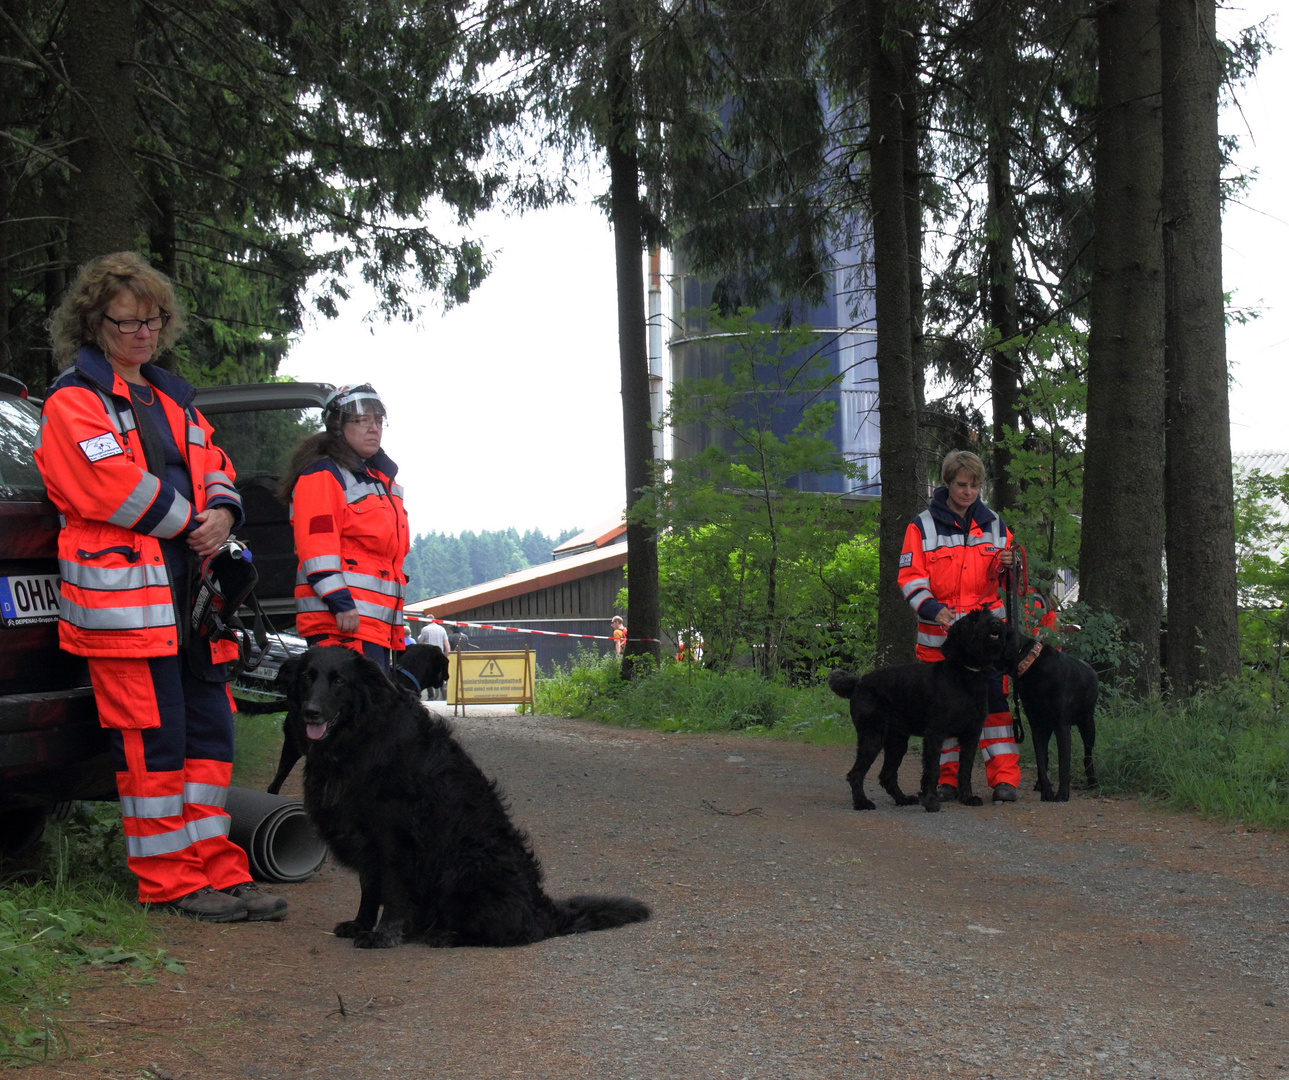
(397, 799)
(932, 700)
(1058, 692)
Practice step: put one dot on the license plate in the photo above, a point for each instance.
(28, 598)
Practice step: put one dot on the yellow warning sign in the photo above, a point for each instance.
(490, 678)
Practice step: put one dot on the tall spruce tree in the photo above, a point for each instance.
(258, 151)
(1123, 512)
(1203, 638)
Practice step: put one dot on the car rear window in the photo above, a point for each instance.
(19, 425)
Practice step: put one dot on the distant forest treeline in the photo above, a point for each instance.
(439, 563)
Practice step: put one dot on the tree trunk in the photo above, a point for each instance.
(911, 107)
(997, 40)
(102, 194)
(903, 488)
(1122, 542)
(643, 619)
(1203, 636)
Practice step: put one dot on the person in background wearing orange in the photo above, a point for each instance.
(619, 634)
(953, 555)
(351, 531)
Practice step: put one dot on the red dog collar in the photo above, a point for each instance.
(1030, 657)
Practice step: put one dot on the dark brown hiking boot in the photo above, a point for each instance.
(207, 905)
(947, 793)
(260, 906)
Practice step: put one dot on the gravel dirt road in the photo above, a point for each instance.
(792, 938)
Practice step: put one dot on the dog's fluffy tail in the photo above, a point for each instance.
(842, 683)
(579, 914)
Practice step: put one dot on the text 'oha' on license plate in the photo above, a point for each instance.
(28, 598)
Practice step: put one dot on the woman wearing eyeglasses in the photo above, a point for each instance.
(351, 533)
(141, 487)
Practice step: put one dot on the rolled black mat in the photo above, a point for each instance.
(279, 839)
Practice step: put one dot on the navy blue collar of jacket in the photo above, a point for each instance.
(94, 367)
(943, 512)
(381, 462)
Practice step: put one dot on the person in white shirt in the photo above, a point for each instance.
(434, 634)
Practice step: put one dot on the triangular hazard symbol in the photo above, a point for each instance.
(491, 670)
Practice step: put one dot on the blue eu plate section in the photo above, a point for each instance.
(28, 598)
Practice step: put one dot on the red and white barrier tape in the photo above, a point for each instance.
(524, 630)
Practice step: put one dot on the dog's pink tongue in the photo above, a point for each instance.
(315, 731)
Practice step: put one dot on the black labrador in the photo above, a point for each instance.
(1058, 692)
(398, 799)
(420, 667)
(935, 701)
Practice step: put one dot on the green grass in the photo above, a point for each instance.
(1223, 754)
(69, 906)
(685, 698)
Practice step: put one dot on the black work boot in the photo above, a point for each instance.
(947, 793)
(207, 905)
(260, 906)
(1004, 793)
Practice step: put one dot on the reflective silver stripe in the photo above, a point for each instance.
(176, 518)
(112, 579)
(166, 843)
(920, 598)
(913, 584)
(373, 584)
(931, 641)
(928, 529)
(205, 828)
(152, 806)
(357, 491)
(328, 584)
(396, 489)
(206, 794)
(196, 437)
(393, 616)
(312, 566)
(998, 750)
(332, 582)
(223, 491)
(137, 617)
(40, 431)
(1002, 731)
(949, 753)
(138, 501)
(217, 478)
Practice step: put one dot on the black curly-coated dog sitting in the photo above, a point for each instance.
(397, 799)
(420, 667)
(935, 701)
(1058, 692)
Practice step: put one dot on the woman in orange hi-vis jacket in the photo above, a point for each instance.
(351, 533)
(141, 488)
(953, 555)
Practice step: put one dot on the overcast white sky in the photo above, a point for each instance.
(506, 411)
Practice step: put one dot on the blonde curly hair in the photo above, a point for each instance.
(78, 320)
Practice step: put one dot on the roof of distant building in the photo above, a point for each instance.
(531, 579)
(609, 531)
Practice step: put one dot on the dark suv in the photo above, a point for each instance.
(52, 749)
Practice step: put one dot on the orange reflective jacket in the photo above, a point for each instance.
(351, 537)
(946, 564)
(116, 592)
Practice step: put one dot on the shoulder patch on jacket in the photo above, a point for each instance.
(906, 559)
(100, 447)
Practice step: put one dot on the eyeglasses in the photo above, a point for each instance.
(366, 420)
(133, 326)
